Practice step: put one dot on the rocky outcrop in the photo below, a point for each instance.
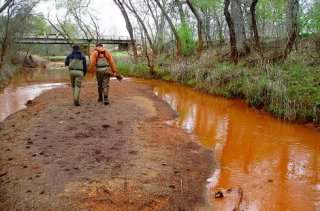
(27, 60)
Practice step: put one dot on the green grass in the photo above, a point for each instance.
(57, 58)
(289, 91)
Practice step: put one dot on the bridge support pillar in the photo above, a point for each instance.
(123, 46)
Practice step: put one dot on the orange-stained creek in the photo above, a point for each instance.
(276, 164)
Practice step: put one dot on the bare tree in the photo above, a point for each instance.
(240, 31)
(174, 30)
(233, 41)
(159, 22)
(151, 59)
(181, 12)
(7, 4)
(129, 27)
(255, 31)
(15, 25)
(293, 9)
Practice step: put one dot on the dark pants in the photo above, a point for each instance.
(103, 80)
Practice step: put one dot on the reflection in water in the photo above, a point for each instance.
(27, 85)
(14, 98)
(275, 163)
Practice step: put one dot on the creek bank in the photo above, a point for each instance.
(288, 91)
(55, 156)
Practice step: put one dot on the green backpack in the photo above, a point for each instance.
(76, 64)
(102, 61)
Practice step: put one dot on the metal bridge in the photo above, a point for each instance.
(123, 41)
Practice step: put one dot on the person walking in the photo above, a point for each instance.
(77, 64)
(101, 63)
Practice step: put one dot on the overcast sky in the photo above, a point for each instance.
(111, 21)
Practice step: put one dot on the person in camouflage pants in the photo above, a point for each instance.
(77, 64)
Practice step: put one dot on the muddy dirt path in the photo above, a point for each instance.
(54, 156)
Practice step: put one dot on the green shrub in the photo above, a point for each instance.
(186, 34)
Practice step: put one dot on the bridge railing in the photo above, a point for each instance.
(59, 36)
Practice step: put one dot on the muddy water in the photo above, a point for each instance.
(275, 164)
(29, 84)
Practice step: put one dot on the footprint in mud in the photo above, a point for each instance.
(172, 186)
(3, 173)
(97, 152)
(133, 152)
(83, 135)
(101, 158)
(105, 126)
(70, 128)
(116, 167)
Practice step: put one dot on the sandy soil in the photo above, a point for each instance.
(55, 156)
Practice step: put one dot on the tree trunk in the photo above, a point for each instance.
(141, 22)
(233, 41)
(255, 30)
(206, 27)
(181, 12)
(175, 32)
(293, 9)
(4, 45)
(5, 5)
(129, 27)
(150, 59)
(219, 27)
(199, 26)
(240, 31)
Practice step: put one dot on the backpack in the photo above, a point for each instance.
(102, 61)
(76, 64)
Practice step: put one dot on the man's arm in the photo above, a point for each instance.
(66, 63)
(111, 62)
(93, 61)
(84, 63)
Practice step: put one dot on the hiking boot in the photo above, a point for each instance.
(100, 98)
(105, 100)
(76, 103)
